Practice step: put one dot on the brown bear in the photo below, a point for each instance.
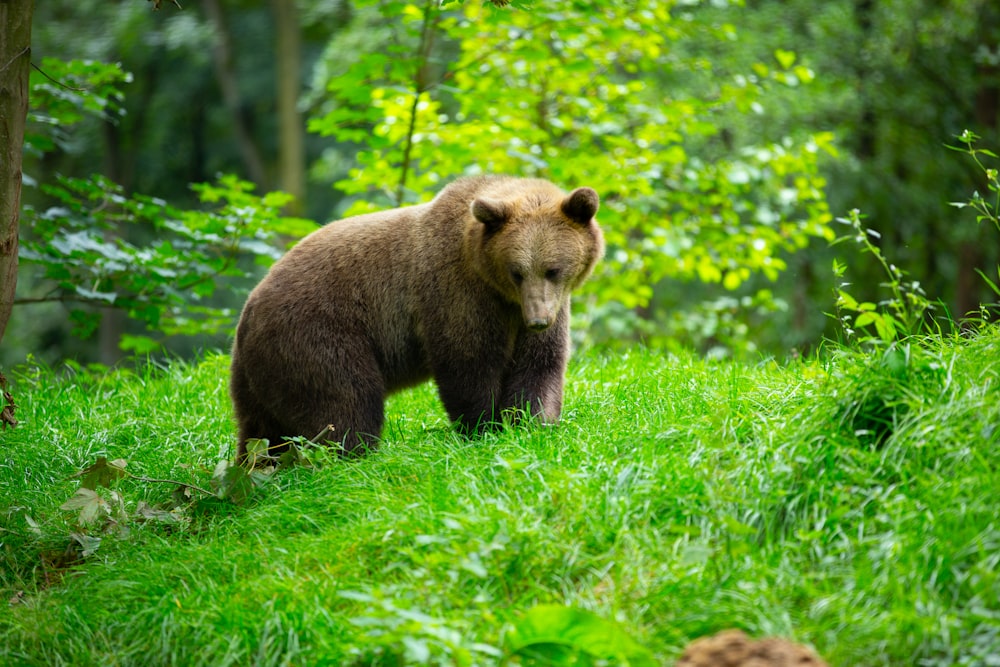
(471, 288)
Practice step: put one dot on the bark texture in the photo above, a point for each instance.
(291, 148)
(15, 66)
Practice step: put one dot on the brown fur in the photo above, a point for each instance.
(471, 289)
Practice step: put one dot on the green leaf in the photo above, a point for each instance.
(559, 635)
(88, 543)
(886, 327)
(138, 344)
(785, 58)
(804, 74)
(993, 285)
(865, 318)
(846, 300)
(148, 513)
(102, 473)
(94, 295)
(258, 448)
(232, 482)
(89, 504)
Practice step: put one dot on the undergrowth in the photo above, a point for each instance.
(846, 501)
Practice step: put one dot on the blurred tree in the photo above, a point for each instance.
(291, 128)
(987, 119)
(174, 127)
(15, 59)
(225, 73)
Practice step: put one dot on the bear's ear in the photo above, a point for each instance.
(581, 205)
(491, 212)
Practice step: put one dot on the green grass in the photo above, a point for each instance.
(849, 502)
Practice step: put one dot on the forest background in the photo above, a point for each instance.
(842, 499)
(725, 138)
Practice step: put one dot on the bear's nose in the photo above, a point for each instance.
(538, 324)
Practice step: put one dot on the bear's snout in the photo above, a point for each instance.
(538, 316)
(538, 324)
(539, 304)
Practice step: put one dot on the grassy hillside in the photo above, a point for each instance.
(848, 501)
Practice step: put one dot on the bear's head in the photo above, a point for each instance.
(537, 244)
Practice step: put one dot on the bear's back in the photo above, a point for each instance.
(345, 286)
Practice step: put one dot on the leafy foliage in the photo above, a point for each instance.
(526, 93)
(64, 93)
(98, 247)
(898, 316)
(904, 312)
(86, 258)
(101, 514)
(986, 209)
(559, 635)
(723, 77)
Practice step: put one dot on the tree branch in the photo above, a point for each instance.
(420, 86)
(174, 482)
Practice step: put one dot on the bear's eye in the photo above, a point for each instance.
(516, 276)
(551, 274)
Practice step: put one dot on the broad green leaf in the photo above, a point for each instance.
(565, 635)
(785, 58)
(89, 544)
(846, 300)
(886, 327)
(232, 482)
(88, 502)
(138, 344)
(102, 473)
(149, 513)
(865, 318)
(257, 448)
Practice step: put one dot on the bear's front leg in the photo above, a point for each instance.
(468, 348)
(469, 390)
(535, 381)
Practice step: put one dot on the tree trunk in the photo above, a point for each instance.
(222, 58)
(15, 66)
(867, 118)
(291, 145)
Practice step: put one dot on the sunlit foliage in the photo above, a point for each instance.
(610, 95)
